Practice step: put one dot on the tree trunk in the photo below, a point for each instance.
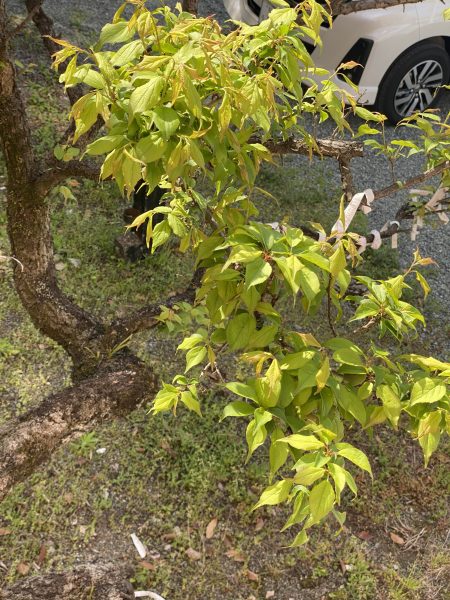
(91, 582)
(190, 6)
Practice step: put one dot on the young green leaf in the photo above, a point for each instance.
(355, 456)
(146, 96)
(275, 494)
(237, 409)
(302, 442)
(321, 501)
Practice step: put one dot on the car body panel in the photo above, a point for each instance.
(393, 31)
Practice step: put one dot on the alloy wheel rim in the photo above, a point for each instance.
(418, 87)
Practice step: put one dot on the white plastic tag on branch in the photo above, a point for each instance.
(377, 241)
(375, 244)
(142, 550)
(362, 244)
(394, 238)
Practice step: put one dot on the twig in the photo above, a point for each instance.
(329, 316)
(409, 183)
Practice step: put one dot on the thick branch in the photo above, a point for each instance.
(190, 6)
(87, 582)
(15, 134)
(29, 440)
(343, 151)
(56, 172)
(346, 177)
(345, 7)
(339, 149)
(413, 182)
(51, 310)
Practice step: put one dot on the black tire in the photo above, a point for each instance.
(393, 100)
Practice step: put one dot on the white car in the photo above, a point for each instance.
(403, 50)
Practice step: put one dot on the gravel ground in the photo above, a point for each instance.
(86, 16)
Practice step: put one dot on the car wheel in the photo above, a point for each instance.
(413, 82)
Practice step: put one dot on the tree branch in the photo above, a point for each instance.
(346, 177)
(15, 133)
(56, 172)
(190, 6)
(409, 183)
(345, 7)
(339, 149)
(29, 440)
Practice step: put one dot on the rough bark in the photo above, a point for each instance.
(29, 440)
(345, 7)
(90, 582)
(52, 312)
(190, 6)
(339, 149)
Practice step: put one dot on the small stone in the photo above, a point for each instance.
(75, 262)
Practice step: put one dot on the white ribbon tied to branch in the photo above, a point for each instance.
(351, 209)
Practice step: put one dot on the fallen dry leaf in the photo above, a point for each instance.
(147, 565)
(193, 554)
(42, 555)
(270, 594)
(364, 535)
(259, 524)
(397, 539)
(252, 576)
(4, 531)
(235, 555)
(211, 527)
(23, 568)
(164, 444)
